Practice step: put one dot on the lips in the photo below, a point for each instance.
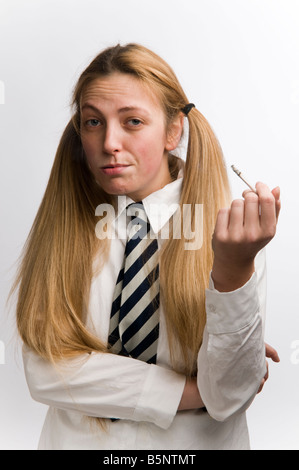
(114, 169)
(115, 165)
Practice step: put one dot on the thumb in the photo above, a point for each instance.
(272, 353)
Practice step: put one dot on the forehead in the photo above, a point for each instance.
(123, 89)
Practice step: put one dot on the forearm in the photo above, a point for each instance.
(227, 279)
(231, 361)
(191, 398)
(107, 386)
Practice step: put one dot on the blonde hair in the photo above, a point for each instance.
(56, 269)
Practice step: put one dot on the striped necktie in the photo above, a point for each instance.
(134, 322)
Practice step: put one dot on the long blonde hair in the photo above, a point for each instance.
(56, 269)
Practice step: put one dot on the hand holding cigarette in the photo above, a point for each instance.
(241, 231)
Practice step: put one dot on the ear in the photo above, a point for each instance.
(174, 132)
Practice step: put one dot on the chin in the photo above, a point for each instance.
(115, 191)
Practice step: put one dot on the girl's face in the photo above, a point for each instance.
(124, 136)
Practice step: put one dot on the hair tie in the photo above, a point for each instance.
(186, 109)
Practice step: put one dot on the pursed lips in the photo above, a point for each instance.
(114, 169)
(114, 165)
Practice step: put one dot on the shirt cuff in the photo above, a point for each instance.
(160, 397)
(228, 312)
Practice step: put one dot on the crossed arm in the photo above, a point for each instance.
(241, 231)
(191, 398)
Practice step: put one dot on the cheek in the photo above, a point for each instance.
(150, 154)
(150, 166)
(89, 151)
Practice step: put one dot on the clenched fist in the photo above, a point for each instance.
(241, 231)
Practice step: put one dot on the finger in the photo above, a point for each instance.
(271, 353)
(222, 222)
(251, 210)
(265, 378)
(267, 373)
(276, 194)
(267, 209)
(223, 218)
(246, 191)
(261, 386)
(236, 218)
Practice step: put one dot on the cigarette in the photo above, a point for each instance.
(238, 172)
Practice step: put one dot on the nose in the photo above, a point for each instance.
(112, 139)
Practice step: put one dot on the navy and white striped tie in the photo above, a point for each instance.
(134, 322)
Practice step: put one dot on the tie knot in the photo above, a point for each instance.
(136, 210)
(139, 225)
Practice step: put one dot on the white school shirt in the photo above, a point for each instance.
(145, 397)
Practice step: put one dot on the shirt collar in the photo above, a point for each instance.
(159, 206)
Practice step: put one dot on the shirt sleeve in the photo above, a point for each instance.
(231, 360)
(106, 385)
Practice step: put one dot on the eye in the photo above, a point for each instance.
(93, 122)
(134, 122)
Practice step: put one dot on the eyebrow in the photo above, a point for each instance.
(121, 110)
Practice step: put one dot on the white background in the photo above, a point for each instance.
(238, 60)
